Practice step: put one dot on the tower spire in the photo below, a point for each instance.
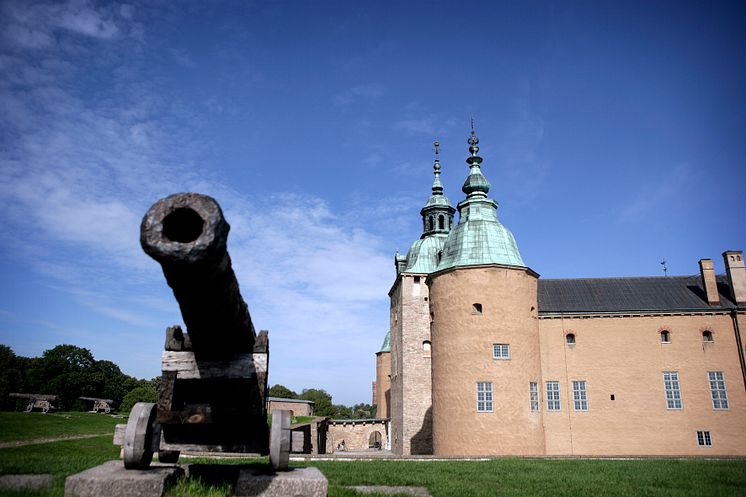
(437, 185)
(476, 184)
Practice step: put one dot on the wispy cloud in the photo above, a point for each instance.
(655, 197)
(357, 93)
(33, 25)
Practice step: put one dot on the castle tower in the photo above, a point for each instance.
(485, 336)
(383, 379)
(410, 407)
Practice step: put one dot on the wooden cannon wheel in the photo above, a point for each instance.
(138, 436)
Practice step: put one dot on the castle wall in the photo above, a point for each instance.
(624, 357)
(462, 356)
(411, 428)
(356, 434)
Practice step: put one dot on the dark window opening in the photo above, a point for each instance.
(570, 339)
(665, 336)
(417, 280)
(476, 308)
(611, 396)
(430, 223)
(441, 222)
(707, 336)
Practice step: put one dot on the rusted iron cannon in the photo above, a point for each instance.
(38, 401)
(214, 374)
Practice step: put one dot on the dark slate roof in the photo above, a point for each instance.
(669, 293)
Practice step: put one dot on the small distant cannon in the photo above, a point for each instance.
(37, 401)
(100, 405)
(214, 374)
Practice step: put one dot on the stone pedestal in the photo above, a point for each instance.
(112, 480)
(296, 482)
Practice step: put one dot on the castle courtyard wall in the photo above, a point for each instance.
(623, 357)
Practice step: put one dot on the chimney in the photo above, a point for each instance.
(707, 270)
(734, 267)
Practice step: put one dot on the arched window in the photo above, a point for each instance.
(441, 222)
(476, 308)
(665, 336)
(430, 223)
(707, 336)
(426, 348)
(570, 339)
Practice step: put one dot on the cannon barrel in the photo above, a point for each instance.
(187, 234)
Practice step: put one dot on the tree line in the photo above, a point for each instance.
(71, 372)
(323, 405)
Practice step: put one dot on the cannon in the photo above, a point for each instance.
(37, 401)
(99, 405)
(214, 373)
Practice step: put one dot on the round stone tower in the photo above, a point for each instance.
(486, 370)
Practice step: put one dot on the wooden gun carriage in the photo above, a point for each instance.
(214, 374)
(100, 405)
(36, 401)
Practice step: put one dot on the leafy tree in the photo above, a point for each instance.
(363, 411)
(282, 391)
(11, 378)
(69, 372)
(144, 392)
(322, 400)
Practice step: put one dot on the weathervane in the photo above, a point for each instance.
(665, 269)
(436, 147)
(473, 140)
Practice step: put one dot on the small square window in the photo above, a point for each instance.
(501, 351)
(665, 336)
(476, 308)
(707, 336)
(704, 439)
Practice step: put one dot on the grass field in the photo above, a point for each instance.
(499, 477)
(31, 425)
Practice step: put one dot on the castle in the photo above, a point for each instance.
(485, 358)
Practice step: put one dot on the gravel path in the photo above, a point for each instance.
(35, 441)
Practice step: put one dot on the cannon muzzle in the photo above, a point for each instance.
(187, 234)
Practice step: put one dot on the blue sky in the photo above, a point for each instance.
(612, 133)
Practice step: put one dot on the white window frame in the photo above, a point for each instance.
(484, 396)
(501, 351)
(580, 395)
(533, 390)
(672, 388)
(704, 439)
(553, 396)
(718, 391)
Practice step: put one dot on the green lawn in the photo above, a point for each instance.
(500, 477)
(30, 425)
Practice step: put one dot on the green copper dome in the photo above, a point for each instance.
(423, 255)
(386, 347)
(478, 238)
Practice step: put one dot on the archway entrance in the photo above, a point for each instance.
(374, 441)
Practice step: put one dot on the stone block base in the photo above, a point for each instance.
(112, 480)
(296, 482)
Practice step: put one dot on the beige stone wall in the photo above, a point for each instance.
(624, 357)
(356, 434)
(383, 384)
(297, 408)
(411, 400)
(462, 356)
